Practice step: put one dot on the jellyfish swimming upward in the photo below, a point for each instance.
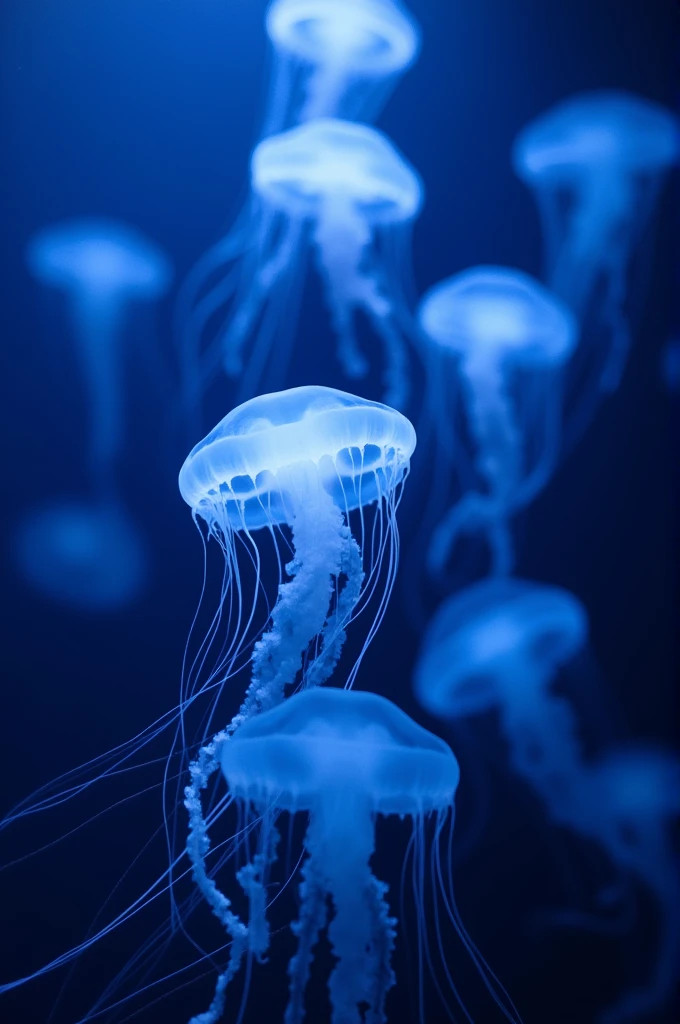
(508, 339)
(595, 163)
(89, 554)
(345, 191)
(499, 645)
(338, 57)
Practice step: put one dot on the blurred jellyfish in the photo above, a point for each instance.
(344, 190)
(595, 163)
(345, 759)
(499, 645)
(337, 58)
(510, 339)
(629, 803)
(670, 365)
(91, 555)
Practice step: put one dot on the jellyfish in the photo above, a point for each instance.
(344, 191)
(596, 162)
(510, 339)
(345, 759)
(499, 645)
(89, 554)
(346, 52)
(629, 803)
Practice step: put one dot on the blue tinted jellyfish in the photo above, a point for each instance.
(499, 645)
(629, 803)
(293, 466)
(338, 57)
(89, 554)
(345, 191)
(595, 163)
(344, 759)
(510, 339)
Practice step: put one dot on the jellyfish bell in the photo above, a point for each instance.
(101, 258)
(327, 164)
(595, 133)
(498, 642)
(371, 38)
(499, 313)
(86, 556)
(256, 467)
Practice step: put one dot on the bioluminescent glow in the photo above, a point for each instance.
(595, 163)
(508, 340)
(345, 759)
(89, 554)
(347, 52)
(499, 645)
(345, 192)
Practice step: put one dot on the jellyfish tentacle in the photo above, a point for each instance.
(474, 512)
(333, 635)
(302, 605)
(252, 879)
(383, 941)
(311, 921)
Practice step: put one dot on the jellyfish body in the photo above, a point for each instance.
(629, 803)
(595, 163)
(343, 190)
(86, 556)
(505, 333)
(343, 758)
(91, 555)
(498, 645)
(348, 52)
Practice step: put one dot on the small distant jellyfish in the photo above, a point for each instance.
(344, 190)
(629, 803)
(595, 162)
(509, 339)
(345, 759)
(347, 52)
(103, 268)
(498, 645)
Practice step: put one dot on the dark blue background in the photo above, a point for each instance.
(147, 112)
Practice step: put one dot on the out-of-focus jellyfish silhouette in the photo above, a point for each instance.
(337, 58)
(510, 339)
(628, 801)
(670, 365)
(595, 162)
(344, 190)
(499, 645)
(345, 759)
(90, 554)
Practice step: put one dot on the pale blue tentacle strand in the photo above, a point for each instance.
(312, 919)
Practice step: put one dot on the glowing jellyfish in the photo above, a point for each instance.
(595, 163)
(347, 52)
(499, 645)
(87, 556)
(510, 339)
(344, 190)
(345, 759)
(629, 802)
(90, 555)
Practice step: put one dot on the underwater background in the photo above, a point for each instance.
(147, 113)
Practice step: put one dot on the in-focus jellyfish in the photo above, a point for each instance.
(629, 803)
(343, 190)
(509, 339)
(499, 645)
(90, 554)
(345, 759)
(595, 162)
(338, 57)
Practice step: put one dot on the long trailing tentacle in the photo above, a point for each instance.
(311, 920)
